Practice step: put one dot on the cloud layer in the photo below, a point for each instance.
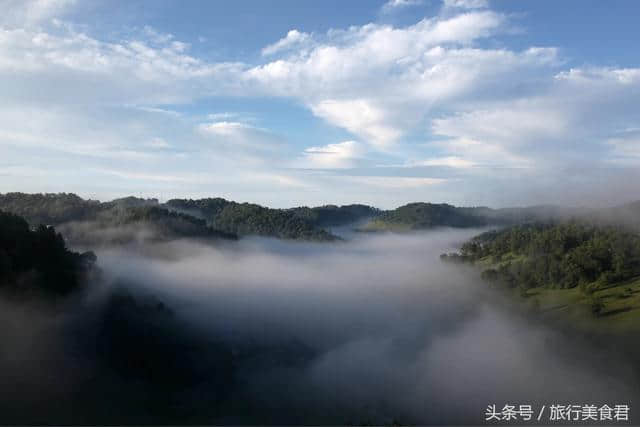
(372, 330)
(436, 96)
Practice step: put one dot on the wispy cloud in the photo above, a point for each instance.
(28, 13)
(332, 156)
(395, 182)
(449, 161)
(466, 4)
(392, 5)
(450, 79)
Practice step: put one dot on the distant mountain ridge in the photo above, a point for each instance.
(91, 222)
(251, 219)
(82, 220)
(421, 215)
(85, 221)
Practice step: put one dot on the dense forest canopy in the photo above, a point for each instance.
(332, 215)
(124, 224)
(429, 215)
(251, 219)
(49, 209)
(295, 223)
(556, 255)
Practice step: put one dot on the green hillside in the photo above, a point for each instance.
(250, 219)
(578, 270)
(420, 216)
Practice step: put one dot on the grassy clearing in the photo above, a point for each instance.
(490, 261)
(620, 313)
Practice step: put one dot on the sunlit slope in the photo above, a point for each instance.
(580, 271)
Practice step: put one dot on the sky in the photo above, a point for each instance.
(288, 103)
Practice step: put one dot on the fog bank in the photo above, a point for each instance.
(375, 329)
(371, 330)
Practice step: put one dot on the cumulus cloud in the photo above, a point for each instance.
(294, 38)
(360, 116)
(557, 126)
(441, 79)
(376, 81)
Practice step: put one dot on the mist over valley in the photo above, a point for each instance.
(370, 327)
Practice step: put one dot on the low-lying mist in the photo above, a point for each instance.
(371, 330)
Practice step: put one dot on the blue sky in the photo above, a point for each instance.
(472, 102)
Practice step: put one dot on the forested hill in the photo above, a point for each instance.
(50, 209)
(571, 268)
(85, 220)
(294, 223)
(557, 255)
(420, 216)
(95, 223)
(121, 220)
(251, 219)
(417, 216)
(37, 260)
(125, 224)
(334, 216)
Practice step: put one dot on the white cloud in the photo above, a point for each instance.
(243, 142)
(28, 13)
(402, 3)
(450, 161)
(466, 4)
(239, 132)
(158, 110)
(66, 67)
(626, 148)
(486, 153)
(278, 179)
(378, 81)
(396, 4)
(141, 176)
(155, 36)
(572, 119)
(68, 92)
(342, 155)
(395, 182)
(624, 76)
(359, 116)
(294, 38)
(72, 131)
(225, 116)
(158, 143)
(225, 128)
(522, 123)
